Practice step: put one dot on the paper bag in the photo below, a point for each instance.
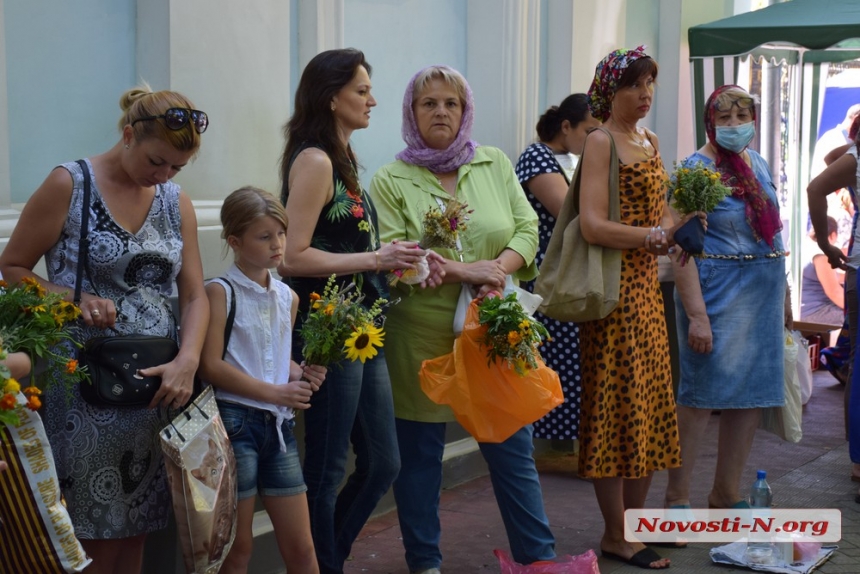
(201, 470)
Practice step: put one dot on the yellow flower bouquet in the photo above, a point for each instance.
(36, 322)
(512, 335)
(692, 188)
(338, 326)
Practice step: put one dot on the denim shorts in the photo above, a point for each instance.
(262, 467)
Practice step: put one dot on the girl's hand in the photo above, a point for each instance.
(657, 242)
(97, 312)
(314, 374)
(295, 394)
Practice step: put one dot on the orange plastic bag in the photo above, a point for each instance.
(491, 402)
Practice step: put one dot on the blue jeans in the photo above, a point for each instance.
(353, 405)
(515, 485)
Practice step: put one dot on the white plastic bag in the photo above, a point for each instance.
(804, 368)
(785, 421)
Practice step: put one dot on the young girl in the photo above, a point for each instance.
(257, 384)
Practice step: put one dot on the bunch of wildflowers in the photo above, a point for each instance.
(512, 335)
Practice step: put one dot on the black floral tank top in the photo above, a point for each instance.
(347, 224)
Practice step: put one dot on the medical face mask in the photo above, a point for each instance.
(735, 138)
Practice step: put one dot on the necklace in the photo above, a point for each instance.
(631, 136)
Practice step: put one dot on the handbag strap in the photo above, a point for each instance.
(572, 207)
(84, 243)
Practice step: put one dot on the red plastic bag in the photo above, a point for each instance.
(491, 402)
(582, 564)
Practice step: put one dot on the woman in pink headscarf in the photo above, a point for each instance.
(441, 163)
(628, 428)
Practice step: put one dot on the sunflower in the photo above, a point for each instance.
(363, 342)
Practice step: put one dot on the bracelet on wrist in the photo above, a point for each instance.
(376, 253)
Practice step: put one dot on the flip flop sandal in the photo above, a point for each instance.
(641, 559)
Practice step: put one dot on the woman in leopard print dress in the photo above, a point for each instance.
(628, 426)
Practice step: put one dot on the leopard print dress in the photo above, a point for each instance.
(628, 425)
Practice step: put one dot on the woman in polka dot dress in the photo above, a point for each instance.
(561, 131)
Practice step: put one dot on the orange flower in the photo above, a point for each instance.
(3, 283)
(329, 309)
(32, 391)
(514, 338)
(71, 366)
(33, 403)
(8, 402)
(314, 296)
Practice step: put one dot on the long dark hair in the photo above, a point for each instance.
(313, 121)
(574, 109)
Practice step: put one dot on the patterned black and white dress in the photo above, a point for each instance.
(109, 460)
(562, 353)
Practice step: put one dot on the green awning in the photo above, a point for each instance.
(811, 24)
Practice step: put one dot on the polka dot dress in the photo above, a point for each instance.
(562, 353)
(628, 426)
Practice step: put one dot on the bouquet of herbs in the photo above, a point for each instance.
(338, 326)
(442, 227)
(35, 321)
(512, 335)
(696, 188)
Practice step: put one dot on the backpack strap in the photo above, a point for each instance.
(231, 312)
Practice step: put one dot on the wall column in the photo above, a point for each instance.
(5, 184)
(320, 28)
(503, 67)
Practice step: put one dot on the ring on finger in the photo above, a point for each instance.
(95, 313)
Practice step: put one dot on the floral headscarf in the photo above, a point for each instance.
(762, 214)
(606, 77)
(462, 149)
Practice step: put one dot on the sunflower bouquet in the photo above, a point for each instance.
(35, 321)
(338, 326)
(512, 334)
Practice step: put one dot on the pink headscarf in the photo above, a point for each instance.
(462, 149)
(761, 213)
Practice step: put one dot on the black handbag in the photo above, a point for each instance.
(113, 362)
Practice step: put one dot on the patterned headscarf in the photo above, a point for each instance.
(606, 77)
(462, 149)
(762, 214)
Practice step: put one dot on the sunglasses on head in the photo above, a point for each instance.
(177, 118)
(726, 104)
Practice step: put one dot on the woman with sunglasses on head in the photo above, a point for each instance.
(730, 306)
(333, 230)
(142, 240)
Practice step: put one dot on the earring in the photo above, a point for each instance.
(126, 146)
(332, 106)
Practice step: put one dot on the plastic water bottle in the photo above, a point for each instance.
(760, 549)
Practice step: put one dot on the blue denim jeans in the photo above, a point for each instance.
(353, 405)
(515, 485)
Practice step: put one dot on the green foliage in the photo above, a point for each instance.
(696, 188)
(512, 334)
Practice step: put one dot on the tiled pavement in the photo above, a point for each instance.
(812, 474)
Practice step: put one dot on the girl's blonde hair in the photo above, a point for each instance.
(246, 205)
(141, 102)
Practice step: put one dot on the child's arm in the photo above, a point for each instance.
(223, 375)
(18, 363)
(314, 374)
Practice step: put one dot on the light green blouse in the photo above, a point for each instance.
(420, 327)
